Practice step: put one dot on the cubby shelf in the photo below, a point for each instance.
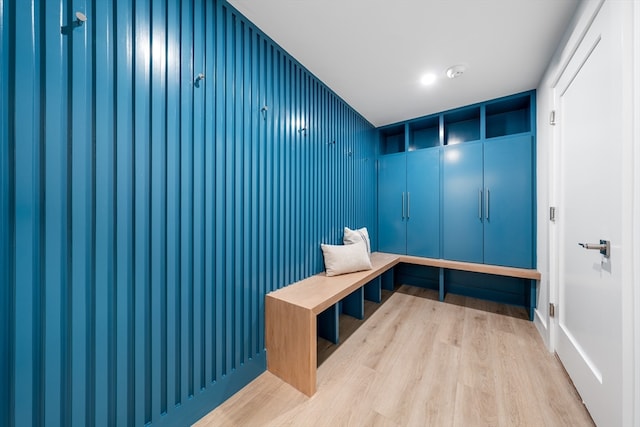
(462, 126)
(508, 117)
(392, 139)
(500, 117)
(424, 133)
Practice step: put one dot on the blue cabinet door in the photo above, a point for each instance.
(508, 210)
(462, 202)
(392, 203)
(423, 203)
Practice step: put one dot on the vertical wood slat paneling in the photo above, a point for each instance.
(6, 230)
(254, 290)
(38, 242)
(25, 219)
(246, 190)
(151, 216)
(219, 347)
(157, 157)
(56, 274)
(125, 404)
(141, 195)
(209, 230)
(172, 295)
(186, 202)
(104, 215)
(82, 219)
(236, 148)
(199, 197)
(229, 201)
(262, 187)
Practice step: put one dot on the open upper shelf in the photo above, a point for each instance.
(424, 133)
(500, 117)
(509, 116)
(462, 126)
(392, 139)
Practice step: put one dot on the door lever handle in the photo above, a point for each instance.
(604, 247)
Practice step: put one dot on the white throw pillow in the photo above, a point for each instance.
(353, 236)
(342, 259)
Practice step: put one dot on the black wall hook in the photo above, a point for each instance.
(81, 18)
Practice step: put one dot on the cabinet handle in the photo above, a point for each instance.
(480, 205)
(487, 207)
(408, 205)
(403, 205)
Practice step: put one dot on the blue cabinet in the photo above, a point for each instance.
(409, 203)
(462, 194)
(423, 203)
(488, 202)
(509, 209)
(391, 203)
(460, 185)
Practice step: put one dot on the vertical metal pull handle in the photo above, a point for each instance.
(403, 205)
(487, 206)
(408, 205)
(480, 204)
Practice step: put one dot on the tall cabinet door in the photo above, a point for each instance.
(423, 203)
(463, 199)
(392, 203)
(508, 210)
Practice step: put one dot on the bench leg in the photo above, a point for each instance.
(533, 297)
(329, 324)
(373, 290)
(441, 290)
(353, 304)
(290, 339)
(387, 280)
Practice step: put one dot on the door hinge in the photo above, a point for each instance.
(552, 213)
(552, 118)
(552, 310)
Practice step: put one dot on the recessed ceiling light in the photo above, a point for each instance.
(428, 79)
(456, 71)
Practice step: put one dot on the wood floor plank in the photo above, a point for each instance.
(431, 397)
(474, 407)
(415, 361)
(476, 399)
(513, 382)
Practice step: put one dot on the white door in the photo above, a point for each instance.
(588, 99)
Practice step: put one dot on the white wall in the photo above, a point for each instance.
(545, 167)
(547, 291)
(635, 72)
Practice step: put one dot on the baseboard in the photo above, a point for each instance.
(543, 329)
(207, 399)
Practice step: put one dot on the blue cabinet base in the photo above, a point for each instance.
(500, 289)
(328, 324)
(373, 290)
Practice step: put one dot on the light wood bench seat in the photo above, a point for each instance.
(291, 313)
(316, 293)
(498, 270)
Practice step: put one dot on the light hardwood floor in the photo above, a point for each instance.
(415, 361)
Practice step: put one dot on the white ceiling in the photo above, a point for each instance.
(372, 53)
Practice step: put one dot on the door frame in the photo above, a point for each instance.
(634, 297)
(630, 194)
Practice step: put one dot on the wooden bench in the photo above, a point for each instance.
(291, 313)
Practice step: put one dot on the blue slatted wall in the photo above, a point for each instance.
(144, 217)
